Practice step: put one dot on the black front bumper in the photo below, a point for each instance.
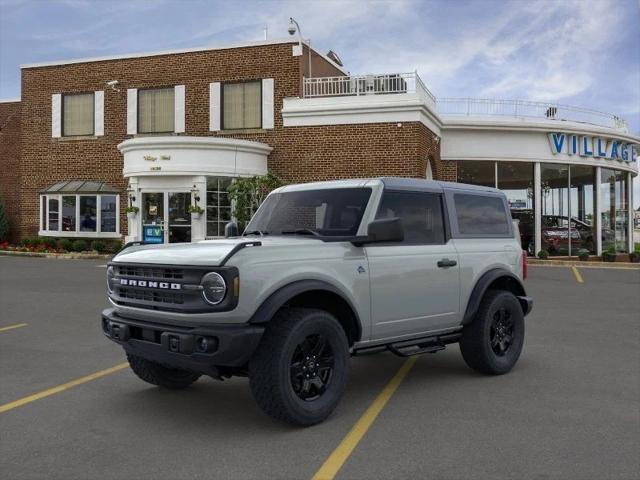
(183, 347)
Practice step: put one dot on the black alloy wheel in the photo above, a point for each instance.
(501, 333)
(312, 367)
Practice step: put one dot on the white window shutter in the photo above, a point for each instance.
(214, 107)
(179, 99)
(98, 113)
(132, 111)
(267, 103)
(56, 115)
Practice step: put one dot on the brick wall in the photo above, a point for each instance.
(10, 162)
(299, 153)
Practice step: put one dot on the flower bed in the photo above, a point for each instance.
(62, 245)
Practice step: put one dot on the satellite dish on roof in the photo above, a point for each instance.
(334, 57)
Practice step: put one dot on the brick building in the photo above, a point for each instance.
(161, 131)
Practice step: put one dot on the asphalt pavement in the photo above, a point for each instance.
(569, 410)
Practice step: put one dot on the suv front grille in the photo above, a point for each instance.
(150, 272)
(155, 296)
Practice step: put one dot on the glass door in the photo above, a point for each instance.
(179, 219)
(153, 217)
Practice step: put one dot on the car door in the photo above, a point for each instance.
(414, 283)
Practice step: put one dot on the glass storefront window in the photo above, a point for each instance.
(218, 205)
(69, 213)
(53, 214)
(614, 211)
(88, 214)
(477, 173)
(582, 207)
(515, 179)
(555, 210)
(108, 213)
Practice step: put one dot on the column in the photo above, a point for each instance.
(598, 216)
(537, 210)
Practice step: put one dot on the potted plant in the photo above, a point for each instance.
(609, 255)
(634, 256)
(131, 212)
(543, 254)
(583, 254)
(195, 211)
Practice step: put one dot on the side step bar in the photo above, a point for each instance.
(415, 346)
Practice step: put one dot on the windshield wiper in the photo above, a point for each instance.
(255, 232)
(300, 231)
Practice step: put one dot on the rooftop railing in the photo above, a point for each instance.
(479, 107)
(398, 83)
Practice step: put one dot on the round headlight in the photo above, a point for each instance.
(214, 288)
(110, 274)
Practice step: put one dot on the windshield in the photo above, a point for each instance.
(325, 212)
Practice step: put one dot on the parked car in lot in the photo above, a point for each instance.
(322, 272)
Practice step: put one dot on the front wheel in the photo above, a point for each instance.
(299, 371)
(493, 341)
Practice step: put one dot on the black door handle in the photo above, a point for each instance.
(445, 263)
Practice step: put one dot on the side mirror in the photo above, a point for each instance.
(231, 230)
(385, 230)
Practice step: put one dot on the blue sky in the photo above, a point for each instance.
(578, 52)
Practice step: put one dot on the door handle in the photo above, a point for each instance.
(446, 263)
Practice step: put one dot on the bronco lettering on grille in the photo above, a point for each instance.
(149, 284)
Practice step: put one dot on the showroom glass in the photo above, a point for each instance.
(582, 206)
(218, 205)
(477, 173)
(77, 114)
(329, 212)
(554, 180)
(481, 215)
(53, 214)
(69, 213)
(515, 179)
(614, 211)
(420, 213)
(156, 110)
(88, 213)
(242, 105)
(179, 218)
(108, 215)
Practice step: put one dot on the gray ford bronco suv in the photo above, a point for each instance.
(322, 272)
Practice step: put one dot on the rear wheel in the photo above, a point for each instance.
(493, 341)
(156, 374)
(299, 371)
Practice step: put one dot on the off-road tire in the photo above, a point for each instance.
(476, 345)
(270, 368)
(156, 374)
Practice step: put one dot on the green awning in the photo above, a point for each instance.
(80, 186)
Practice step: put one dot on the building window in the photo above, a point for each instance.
(77, 215)
(515, 179)
(582, 205)
(614, 210)
(156, 110)
(479, 172)
(218, 205)
(420, 213)
(78, 114)
(242, 105)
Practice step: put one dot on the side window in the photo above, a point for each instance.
(421, 215)
(481, 215)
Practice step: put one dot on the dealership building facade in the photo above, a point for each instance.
(162, 131)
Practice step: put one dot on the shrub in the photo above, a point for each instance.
(583, 254)
(543, 254)
(65, 244)
(115, 246)
(98, 246)
(79, 246)
(4, 223)
(47, 242)
(28, 242)
(635, 256)
(609, 255)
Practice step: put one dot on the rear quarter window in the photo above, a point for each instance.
(481, 215)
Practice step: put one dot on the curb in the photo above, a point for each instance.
(59, 256)
(569, 263)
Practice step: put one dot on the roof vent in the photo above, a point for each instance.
(334, 57)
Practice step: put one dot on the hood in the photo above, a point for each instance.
(207, 252)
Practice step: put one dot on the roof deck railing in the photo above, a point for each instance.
(398, 83)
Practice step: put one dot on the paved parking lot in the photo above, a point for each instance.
(569, 410)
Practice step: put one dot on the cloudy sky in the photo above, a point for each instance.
(579, 52)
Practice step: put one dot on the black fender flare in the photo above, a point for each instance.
(280, 297)
(482, 285)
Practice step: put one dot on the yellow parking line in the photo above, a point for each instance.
(60, 388)
(334, 463)
(11, 327)
(576, 273)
